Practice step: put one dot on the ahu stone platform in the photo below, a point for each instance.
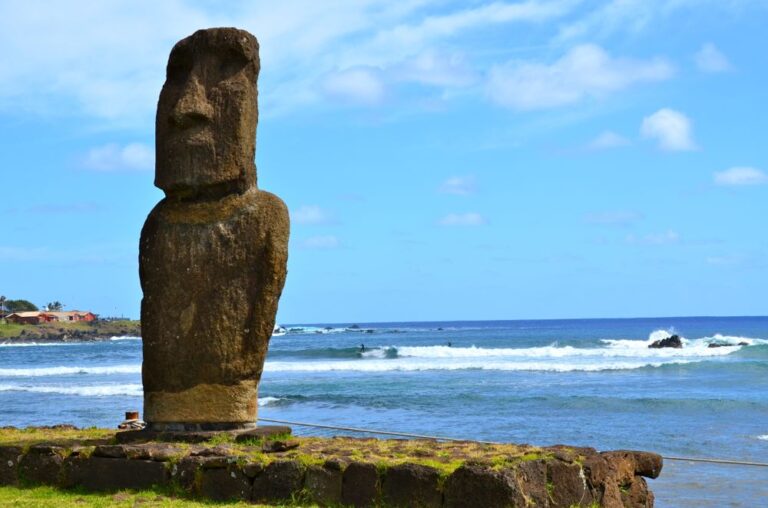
(338, 471)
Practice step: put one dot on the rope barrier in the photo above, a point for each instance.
(454, 439)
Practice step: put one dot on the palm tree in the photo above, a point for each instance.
(55, 306)
(2, 303)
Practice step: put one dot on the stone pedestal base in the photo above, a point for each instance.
(199, 435)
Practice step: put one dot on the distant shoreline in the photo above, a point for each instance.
(68, 332)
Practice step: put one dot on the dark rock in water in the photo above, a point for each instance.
(213, 253)
(743, 343)
(673, 342)
(715, 344)
(354, 327)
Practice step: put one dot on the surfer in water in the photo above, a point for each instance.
(362, 348)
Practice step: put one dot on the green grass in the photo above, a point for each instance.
(51, 497)
(32, 332)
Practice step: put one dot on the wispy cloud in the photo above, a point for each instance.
(321, 242)
(741, 176)
(311, 215)
(463, 219)
(666, 238)
(671, 129)
(607, 140)
(459, 185)
(710, 59)
(358, 85)
(586, 71)
(114, 157)
(614, 218)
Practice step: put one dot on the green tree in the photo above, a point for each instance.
(20, 306)
(2, 303)
(55, 306)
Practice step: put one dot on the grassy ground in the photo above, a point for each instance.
(55, 331)
(51, 497)
(443, 456)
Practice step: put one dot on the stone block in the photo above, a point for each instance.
(184, 473)
(637, 495)
(323, 484)
(568, 485)
(9, 464)
(104, 475)
(279, 481)
(532, 480)
(474, 486)
(224, 484)
(41, 464)
(360, 485)
(412, 485)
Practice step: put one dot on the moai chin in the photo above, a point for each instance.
(213, 252)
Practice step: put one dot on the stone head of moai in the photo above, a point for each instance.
(207, 115)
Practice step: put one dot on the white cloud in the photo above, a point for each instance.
(607, 140)
(672, 129)
(106, 60)
(710, 59)
(459, 185)
(359, 85)
(463, 219)
(310, 215)
(666, 238)
(586, 71)
(636, 16)
(741, 176)
(321, 242)
(614, 218)
(114, 157)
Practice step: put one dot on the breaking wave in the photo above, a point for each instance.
(611, 354)
(63, 371)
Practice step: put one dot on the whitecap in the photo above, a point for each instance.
(62, 371)
(131, 390)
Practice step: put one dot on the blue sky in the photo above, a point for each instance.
(442, 160)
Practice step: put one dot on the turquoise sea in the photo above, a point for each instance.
(591, 382)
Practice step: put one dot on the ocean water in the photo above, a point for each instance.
(579, 382)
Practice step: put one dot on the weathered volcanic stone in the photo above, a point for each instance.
(569, 485)
(101, 474)
(278, 482)
(471, 486)
(42, 464)
(224, 484)
(412, 485)
(323, 484)
(213, 253)
(360, 485)
(9, 464)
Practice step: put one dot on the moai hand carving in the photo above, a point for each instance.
(213, 253)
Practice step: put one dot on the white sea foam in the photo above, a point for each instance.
(266, 401)
(125, 337)
(38, 344)
(62, 371)
(409, 365)
(131, 390)
(764, 437)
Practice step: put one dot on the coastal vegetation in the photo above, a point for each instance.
(69, 331)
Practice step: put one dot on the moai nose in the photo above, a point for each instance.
(193, 106)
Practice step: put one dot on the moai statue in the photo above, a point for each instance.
(213, 252)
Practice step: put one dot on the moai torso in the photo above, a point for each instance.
(213, 253)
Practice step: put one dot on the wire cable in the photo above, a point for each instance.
(459, 440)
